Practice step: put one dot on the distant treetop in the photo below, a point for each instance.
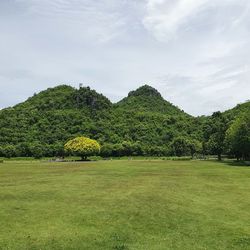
(145, 90)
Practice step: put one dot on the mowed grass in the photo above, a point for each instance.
(124, 205)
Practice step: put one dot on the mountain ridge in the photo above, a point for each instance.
(55, 115)
(144, 90)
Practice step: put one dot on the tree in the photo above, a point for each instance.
(195, 147)
(238, 137)
(216, 144)
(9, 151)
(118, 150)
(137, 148)
(37, 150)
(23, 149)
(180, 146)
(215, 134)
(106, 150)
(83, 147)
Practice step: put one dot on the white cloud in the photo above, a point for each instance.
(167, 19)
(196, 52)
(214, 40)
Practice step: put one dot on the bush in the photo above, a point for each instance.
(181, 146)
(37, 150)
(106, 150)
(9, 151)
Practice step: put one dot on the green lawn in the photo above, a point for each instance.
(124, 205)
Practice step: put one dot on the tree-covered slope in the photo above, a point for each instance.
(66, 97)
(52, 117)
(148, 99)
(238, 110)
(144, 116)
(48, 119)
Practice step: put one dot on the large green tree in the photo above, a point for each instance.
(238, 137)
(180, 146)
(195, 147)
(214, 134)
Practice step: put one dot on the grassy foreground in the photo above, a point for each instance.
(124, 205)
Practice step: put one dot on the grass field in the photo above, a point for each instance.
(124, 205)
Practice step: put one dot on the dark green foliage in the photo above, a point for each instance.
(148, 99)
(141, 124)
(238, 110)
(215, 132)
(51, 99)
(195, 147)
(85, 97)
(180, 146)
(238, 137)
(37, 150)
(8, 151)
(106, 150)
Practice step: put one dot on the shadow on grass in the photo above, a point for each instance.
(235, 163)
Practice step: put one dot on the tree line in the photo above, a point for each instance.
(220, 136)
(142, 124)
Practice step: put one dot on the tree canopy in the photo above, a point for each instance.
(82, 146)
(238, 137)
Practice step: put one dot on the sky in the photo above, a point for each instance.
(196, 53)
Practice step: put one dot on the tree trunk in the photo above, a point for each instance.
(244, 157)
(84, 158)
(219, 157)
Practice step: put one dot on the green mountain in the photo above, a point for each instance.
(66, 97)
(238, 110)
(47, 120)
(148, 99)
(52, 116)
(144, 116)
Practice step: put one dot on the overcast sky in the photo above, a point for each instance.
(195, 52)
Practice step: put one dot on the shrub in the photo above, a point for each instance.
(180, 146)
(37, 150)
(9, 151)
(106, 150)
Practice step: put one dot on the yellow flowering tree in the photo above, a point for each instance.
(82, 146)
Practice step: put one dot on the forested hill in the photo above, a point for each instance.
(238, 110)
(148, 99)
(143, 121)
(66, 97)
